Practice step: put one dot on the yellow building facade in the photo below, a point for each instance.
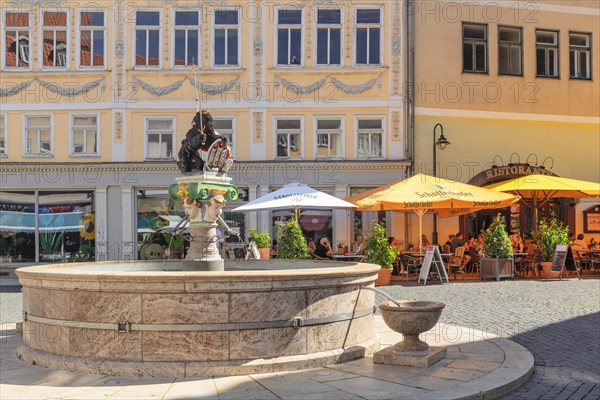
(342, 95)
(97, 97)
(512, 85)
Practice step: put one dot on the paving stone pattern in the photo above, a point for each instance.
(557, 321)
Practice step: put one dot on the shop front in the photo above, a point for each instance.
(520, 217)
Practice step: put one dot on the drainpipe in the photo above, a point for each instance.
(409, 97)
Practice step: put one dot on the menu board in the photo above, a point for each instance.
(432, 256)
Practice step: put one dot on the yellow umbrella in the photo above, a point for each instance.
(541, 188)
(425, 194)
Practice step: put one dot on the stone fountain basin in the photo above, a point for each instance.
(165, 319)
(412, 317)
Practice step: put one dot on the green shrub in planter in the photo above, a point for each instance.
(262, 240)
(550, 233)
(496, 243)
(378, 250)
(291, 244)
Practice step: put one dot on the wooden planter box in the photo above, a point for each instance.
(496, 268)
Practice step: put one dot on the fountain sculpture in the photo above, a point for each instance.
(200, 316)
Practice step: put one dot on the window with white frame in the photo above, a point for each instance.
(38, 135)
(3, 149)
(289, 37)
(510, 46)
(16, 40)
(580, 55)
(547, 53)
(329, 37)
(84, 134)
(370, 138)
(187, 38)
(147, 38)
(91, 38)
(160, 133)
(288, 132)
(474, 48)
(329, 138)
(226, 36)
(368, 36)
(225, 126)
(55, 35)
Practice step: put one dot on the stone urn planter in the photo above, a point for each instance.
(411, 319)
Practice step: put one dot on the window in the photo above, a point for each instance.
(370, 138)
(16, 40)
(510, 47)
(329, 37)
(580, 57)
(55, 34)
(2, 135)
(38, 135)
(226, 37)
(160, 133)
(91, 39)
(289, 138)
(329, 138)
(84, 134)
(187, 38)
(147, 38)
(547, 53)
(289, 37)
(226, 127)
(474, 48)
(368, 36)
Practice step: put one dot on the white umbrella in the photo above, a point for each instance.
(296, 196)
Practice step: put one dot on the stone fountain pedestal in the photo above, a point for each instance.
(411, 319)
(203, 197)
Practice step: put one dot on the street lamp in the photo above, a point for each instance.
(441, 144)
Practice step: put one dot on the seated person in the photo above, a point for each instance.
(516, 242)
(311, 246)
(579, 243)
(456, 242)
(323, 248)
(359, 246)
(450, 239)
(424, 241)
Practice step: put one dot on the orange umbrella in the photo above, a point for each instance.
(424, 194)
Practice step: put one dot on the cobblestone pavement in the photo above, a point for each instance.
(557, 321)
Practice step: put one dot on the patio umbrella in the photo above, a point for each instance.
(536, 190)
(424, 194)
(296, 196)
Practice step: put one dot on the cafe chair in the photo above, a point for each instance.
(531, 262)
(411, 265)
(455, 264)
(583, 261)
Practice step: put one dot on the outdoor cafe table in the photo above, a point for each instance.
(348, 257)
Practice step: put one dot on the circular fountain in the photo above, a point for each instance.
(200, 316)
(155, 319)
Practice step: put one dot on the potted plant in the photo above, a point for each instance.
(291, 245)
(550, 232)
(498, 260)
(378, 251)
(263, 243)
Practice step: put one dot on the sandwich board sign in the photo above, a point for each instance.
(433, 256)
(563, 259)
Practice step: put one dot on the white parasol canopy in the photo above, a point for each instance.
(295, 195)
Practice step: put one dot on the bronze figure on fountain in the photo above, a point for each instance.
(203, 149)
